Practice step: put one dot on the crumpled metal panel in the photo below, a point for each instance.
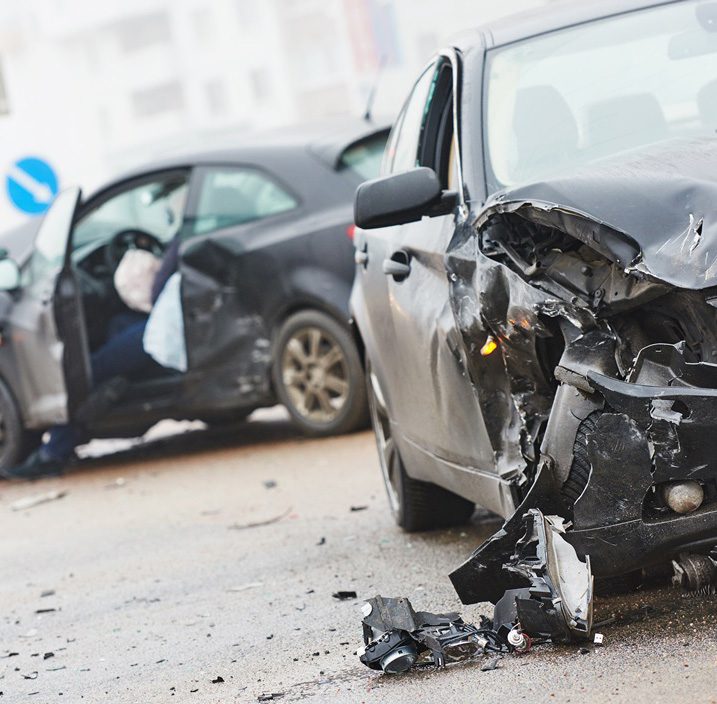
(657, 202)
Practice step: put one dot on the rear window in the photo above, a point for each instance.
(364, 158)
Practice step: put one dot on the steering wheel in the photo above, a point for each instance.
(131, 238)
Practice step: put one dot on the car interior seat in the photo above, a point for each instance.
(625, 122)
(546, 132)
(707, 105)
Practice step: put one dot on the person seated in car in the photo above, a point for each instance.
(122, 356)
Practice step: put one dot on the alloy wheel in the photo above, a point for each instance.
(315, 374)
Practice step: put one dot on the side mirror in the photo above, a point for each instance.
(402, 198)
(9, 275)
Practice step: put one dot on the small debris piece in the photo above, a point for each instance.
(49, 655)
(599, 639)
(44, 611)
(117, 483)
(270, 484)
(584, 651)
(344, 596)
(321, 542)
(30, 676)
(354, 509)
(270, 697)
(492, 664)
(37, 500)
(270, 636)
(218, 680)
(56, 669)
(258, 524)
(9, 655)
(47, 592)
(395, 637)
(244, 587)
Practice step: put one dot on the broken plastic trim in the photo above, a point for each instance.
(554, 601)
(558, 603)
(396, 637)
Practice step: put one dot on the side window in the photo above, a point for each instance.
(437, 148)
(231, 196)
(402, 149)
(155, 206)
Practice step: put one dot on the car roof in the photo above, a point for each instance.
(327, 141)
(558, 15)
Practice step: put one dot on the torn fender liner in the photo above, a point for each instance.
(544, 586)
(396, 637)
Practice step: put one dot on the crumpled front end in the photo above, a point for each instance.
(608, 388)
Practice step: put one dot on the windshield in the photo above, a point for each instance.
(574, 96)
(156, 206)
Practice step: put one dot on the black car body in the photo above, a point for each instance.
(266, 258)
(538, 305)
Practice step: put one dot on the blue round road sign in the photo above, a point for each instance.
(31, 185)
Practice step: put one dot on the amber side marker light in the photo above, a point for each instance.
(490, 346)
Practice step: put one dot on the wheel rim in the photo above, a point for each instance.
(387, 455)
(315, 374)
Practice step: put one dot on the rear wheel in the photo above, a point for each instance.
(415, 505)
(318, 375)
(15, 442)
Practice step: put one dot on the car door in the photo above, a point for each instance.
(226, 273)
(46, 324)
(428, 371)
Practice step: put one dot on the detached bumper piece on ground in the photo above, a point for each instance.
(549, 597)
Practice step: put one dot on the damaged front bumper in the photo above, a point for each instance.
(658, 432)
(652, 433)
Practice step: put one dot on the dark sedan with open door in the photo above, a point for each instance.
(266, 266)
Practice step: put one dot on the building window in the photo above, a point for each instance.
(167, 97)
(247, 12)
(203, 22)
(4, 105)
(143, 31)
(216, 96)
(260, 84)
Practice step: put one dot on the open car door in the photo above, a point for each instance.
(47, 325)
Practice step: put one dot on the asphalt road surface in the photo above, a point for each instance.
(201, 568)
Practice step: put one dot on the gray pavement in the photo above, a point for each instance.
(159, 588)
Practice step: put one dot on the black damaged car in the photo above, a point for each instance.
(537, 298)
(266, 268)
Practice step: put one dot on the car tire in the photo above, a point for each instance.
(415, 505)
(318, 375)
(424, 506)
(580, 467)
(15, 441)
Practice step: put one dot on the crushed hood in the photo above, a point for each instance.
(657, 204)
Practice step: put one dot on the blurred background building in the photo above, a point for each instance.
(93, 86)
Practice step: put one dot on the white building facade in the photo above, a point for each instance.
(91, 87)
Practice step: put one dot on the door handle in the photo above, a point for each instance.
(398, 266)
